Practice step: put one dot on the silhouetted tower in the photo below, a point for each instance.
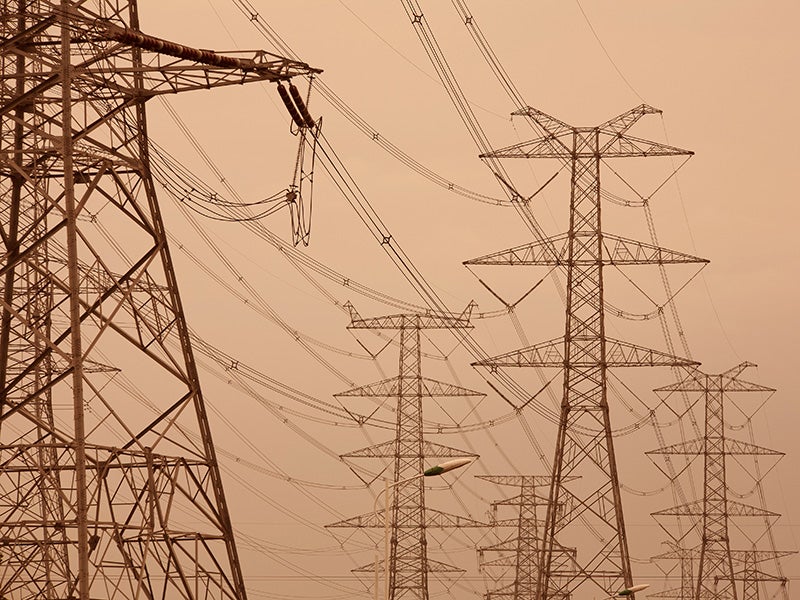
(109, 484)
(409, 564)
(584, 453)
(521, 551)
(751, 575)
(716, 575)
(685, 567)
(746, 569)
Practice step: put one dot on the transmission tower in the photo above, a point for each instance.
(109, 484)
(408, 563)
(751, 575)
(585, 480)
(748, 572)
(716, 575)
(685, 569)
(522, 551)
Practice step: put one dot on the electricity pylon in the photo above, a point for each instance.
(685, 570)
(408, 563)
(716, 575)
(109, 484)
(748, 572)
(751, 575)
(585, 480)
(521, 551)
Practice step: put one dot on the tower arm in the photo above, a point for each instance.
(621, 123)
(103, 59)
(169, 67)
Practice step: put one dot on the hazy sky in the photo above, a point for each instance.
(725, 75)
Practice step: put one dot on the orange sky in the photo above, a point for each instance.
(725, 77)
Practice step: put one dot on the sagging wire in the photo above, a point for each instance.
(252, 15)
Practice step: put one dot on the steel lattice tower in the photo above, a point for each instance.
(751, 575)
(716, 574)
(109, 484)
(409, 564)
(522, 551)
(685, 569)
(585, 480)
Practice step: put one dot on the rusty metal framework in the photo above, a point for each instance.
(585, 482)
(521, 552)
(109, 484)
(408, 563)
(719, 563)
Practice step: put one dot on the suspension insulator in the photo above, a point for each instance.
(290, 106)
(301, 105)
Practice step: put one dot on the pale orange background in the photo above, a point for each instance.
(725, 75)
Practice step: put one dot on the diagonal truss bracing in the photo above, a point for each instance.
(102, 494)
(584, 478)
(522, 550)
(717, 559)
(407, 564)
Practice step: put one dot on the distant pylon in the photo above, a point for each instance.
(409, 564)
(109, 483)
(748, 571)
(585, 480)
(716, 575)
(751, 575)
(685, 569)
(522, 550)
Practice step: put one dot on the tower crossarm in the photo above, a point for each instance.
(527, 481)
(738, 556)
(618, 354)
(443, 520)
(733, 509)
(509, 545)
(551, 251)
(120, 62)
(170, 67)
(520, 500)
(621, 123)
(391, 387)
(548, 124)
(696, 447)
(728, 381)
(428, 320)
(759, 556)
(433, 519)
(429, 450)
(434, 566)
(616, 250)
(559, 143)
(680, 594)
(677, 552)
(626, 146)
(514, 522)
(756, 575)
